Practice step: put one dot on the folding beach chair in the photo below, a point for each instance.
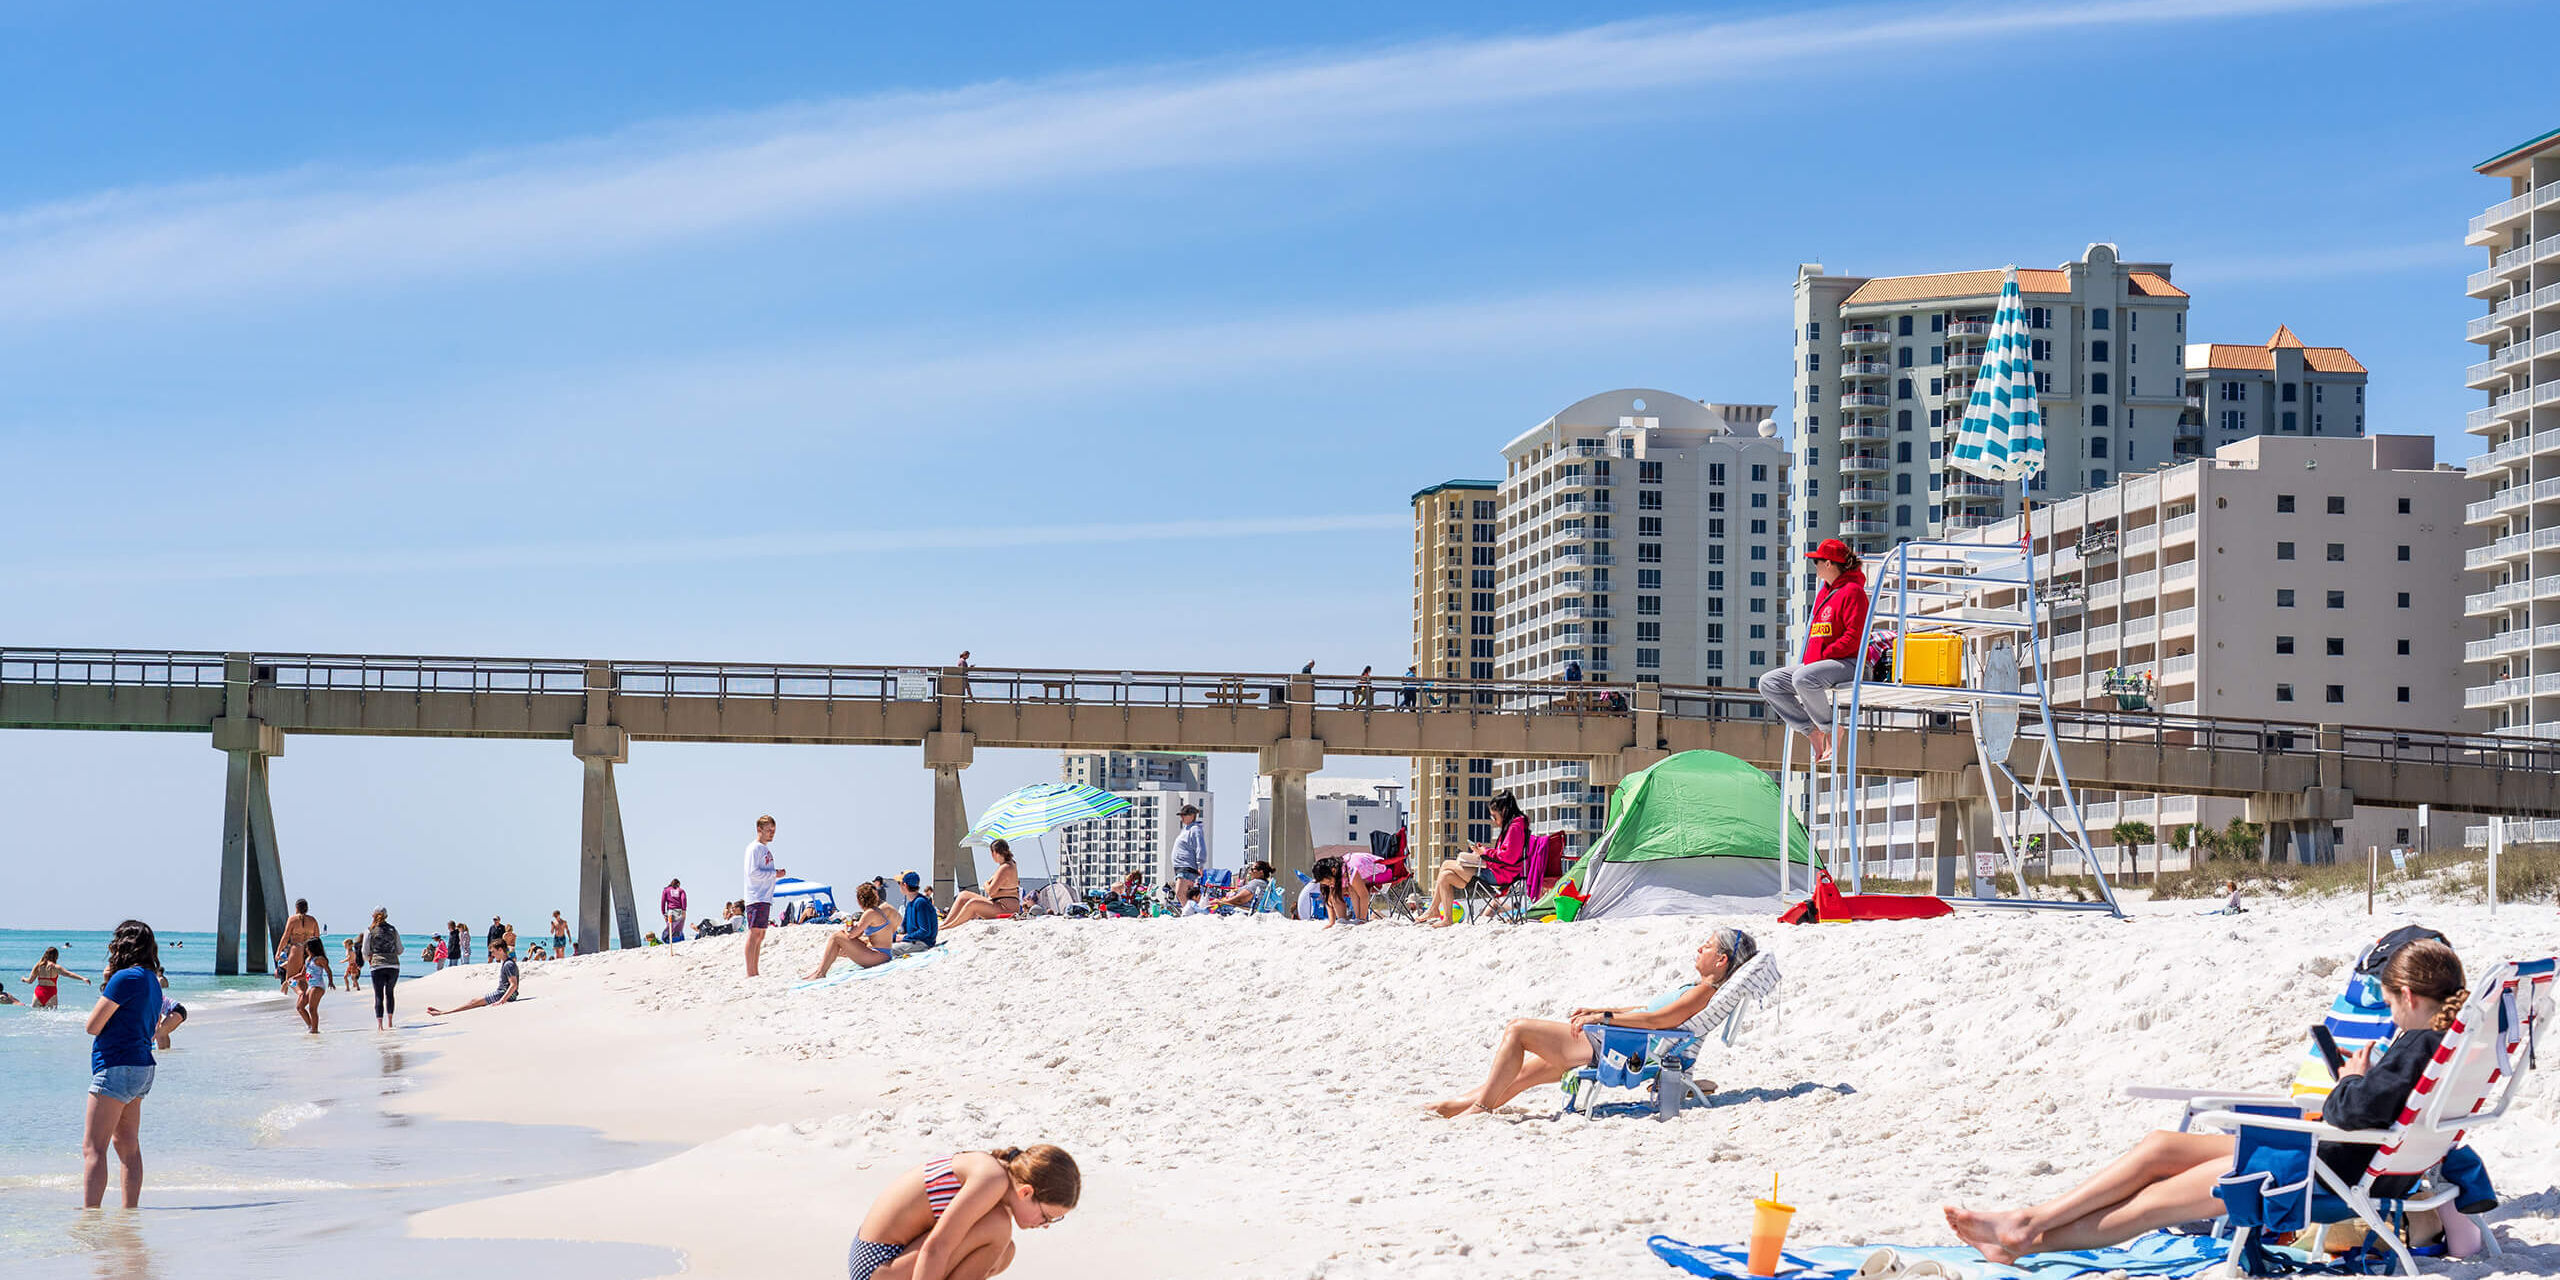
(1397, 893)
(1501, 887)
(2276, 1183)
(1632, 1058)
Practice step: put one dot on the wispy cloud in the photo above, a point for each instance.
(663, 552)
(302, 232)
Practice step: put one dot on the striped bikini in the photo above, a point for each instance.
(941, 1187)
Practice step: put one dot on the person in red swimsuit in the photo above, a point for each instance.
(47, 978)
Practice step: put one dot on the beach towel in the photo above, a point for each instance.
(2160, 1253)
(849, 972)
(1830, 906)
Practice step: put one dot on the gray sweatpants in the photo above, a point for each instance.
(1802, 695)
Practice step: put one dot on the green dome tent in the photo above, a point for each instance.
(1694, 835)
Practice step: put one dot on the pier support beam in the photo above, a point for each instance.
(955, 867)
(252, 897)
(1290, 842)
(604, 863)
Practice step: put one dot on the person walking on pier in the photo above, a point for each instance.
(671, 905)
(1190, 854)
(299, 928)
(762, 871)
(1801, 695)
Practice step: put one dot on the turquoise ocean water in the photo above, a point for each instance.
(264, 1147)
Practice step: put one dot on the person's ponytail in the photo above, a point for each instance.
(1049, 1171)
(2452, 1007)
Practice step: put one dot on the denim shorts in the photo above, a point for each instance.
(123, 1084)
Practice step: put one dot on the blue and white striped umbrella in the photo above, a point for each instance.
(1040, 808)
(2002, 437)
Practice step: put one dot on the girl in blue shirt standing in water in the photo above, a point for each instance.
(120, 1061)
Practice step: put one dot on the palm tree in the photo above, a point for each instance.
(2241, 836)
(2133, 835)
(2186, 836)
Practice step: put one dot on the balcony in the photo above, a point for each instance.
(1976, 489)
(1864, 431)
(1965, 520)
(2178, 620)
(2195, 402)
(2484, 227)
(2183, 664)
(1864, 400)
(1577, 559)
(1863, 464)
(1864, 337)
(1864, 369)
(1579, 506)
(1861, 526)
(2174, 527)
(1968, 328)
(1864, 495)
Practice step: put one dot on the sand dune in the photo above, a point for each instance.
(1243, 1094)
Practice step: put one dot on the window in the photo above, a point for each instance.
(1648, 473)
(1715, 500)
(1812, 362)
(1759, 658)
(2287, 395)
(2039, 350)
(1759, 577)
(1648, 631)
(1760, 500)
(1902, 419)
(2098, 351)
(2097, 477)
(2098, 447)
(2337, 693)
(1759, 472)
(2098, 318)
(1715, 527)
(1715, 633)
(1647, 606)
(1651, 499)
(2337, 646)
(1902, 516)
(1759, 604)
(1651, 579)
(2235, 420)
(2337, 599)
(1902, 483)
(1760, 553)
(1813, 331)
(1759, 631)
(2044, 382)
(1483, 533)
(2404, 648)
(2337, 505)
(2404, 506)
(1937, 386)
(1481, 555)
(1903, 329)
(1648, 659)
(1902, 388)
(1938, 322)
(1758, 527)
(1715, 606)
(2040, 317)
(1648, 526)
(1937, 418)
(2284, 503)
(2288, 420)
(2404, 599)
(1715, 473)
(2284, 597)
(2403, 697)
(2337, 553)
(1484, 511)
(1649, 553)
(1715, 657)
(2284, 693)
(2284, 644)
(2404, 553)
(2097, 384)
(2098, 412)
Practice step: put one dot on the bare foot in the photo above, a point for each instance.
(1453, 1108)
(1993, 1235)
(1821, 747)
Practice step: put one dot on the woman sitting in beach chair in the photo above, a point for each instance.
(1258, 893)
(2169, 1177)
(1539, 1051)
(1001, 901)
(1508, 854)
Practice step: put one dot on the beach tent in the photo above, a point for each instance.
(808, 893)
(1690, 836)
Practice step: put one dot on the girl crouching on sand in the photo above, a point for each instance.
(2169, 1177)
(954, 1219)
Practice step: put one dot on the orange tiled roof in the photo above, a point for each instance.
(1956, 284)
(2151, 284)
(2226, 355)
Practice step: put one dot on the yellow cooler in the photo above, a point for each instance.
(1931, 657)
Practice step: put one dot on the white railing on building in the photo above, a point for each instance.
(2177, 618)
(2176, 525)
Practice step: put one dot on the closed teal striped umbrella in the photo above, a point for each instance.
(2002, 437)
(1040, 808)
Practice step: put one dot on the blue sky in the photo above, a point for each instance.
(1114, 338)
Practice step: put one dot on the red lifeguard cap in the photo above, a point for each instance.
(1833, 550)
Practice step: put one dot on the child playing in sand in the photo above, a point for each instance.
(2169, 1177)
(312, 980)
(954, 1219)
(47, 978)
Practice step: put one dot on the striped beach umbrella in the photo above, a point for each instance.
(1040, 808)
(2002, 437)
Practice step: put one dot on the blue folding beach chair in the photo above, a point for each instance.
(1665, 1060)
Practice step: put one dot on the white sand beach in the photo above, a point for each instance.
(1244, 1095)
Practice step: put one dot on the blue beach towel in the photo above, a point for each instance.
(2160, 1253)
(849, 972)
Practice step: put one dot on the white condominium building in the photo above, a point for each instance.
(1097, 854)
(1339, 811)
(2282, 387)
(1643, 538)
(2284, 578)
(1884, 366)
(2515, 671)
(1456, 532)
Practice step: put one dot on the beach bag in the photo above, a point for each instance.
(1880, 657)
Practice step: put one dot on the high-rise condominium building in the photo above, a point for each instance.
(2302, 579)
(1339, 811)
(2282, 387)
(1643, 539)
(1096, 854)
(1884, 366)
(1456, 532)
(2515, 673)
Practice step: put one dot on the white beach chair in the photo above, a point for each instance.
(2471, 1081)
(1634, 1058)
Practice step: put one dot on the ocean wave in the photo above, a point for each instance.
(278, 1121)
(71, 1181)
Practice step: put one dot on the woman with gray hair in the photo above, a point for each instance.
(1536, 1051)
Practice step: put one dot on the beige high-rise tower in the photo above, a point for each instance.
(1456, 529)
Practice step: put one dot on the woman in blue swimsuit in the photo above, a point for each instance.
(864, 941)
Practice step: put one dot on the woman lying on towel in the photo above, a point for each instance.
(2169, 1177)
(1536, 1051)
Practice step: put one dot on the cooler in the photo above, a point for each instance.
(1931, 657)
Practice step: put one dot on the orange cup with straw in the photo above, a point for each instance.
(1769, 1221)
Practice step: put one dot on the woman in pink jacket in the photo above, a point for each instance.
(1801, 694)
(1455, 873)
